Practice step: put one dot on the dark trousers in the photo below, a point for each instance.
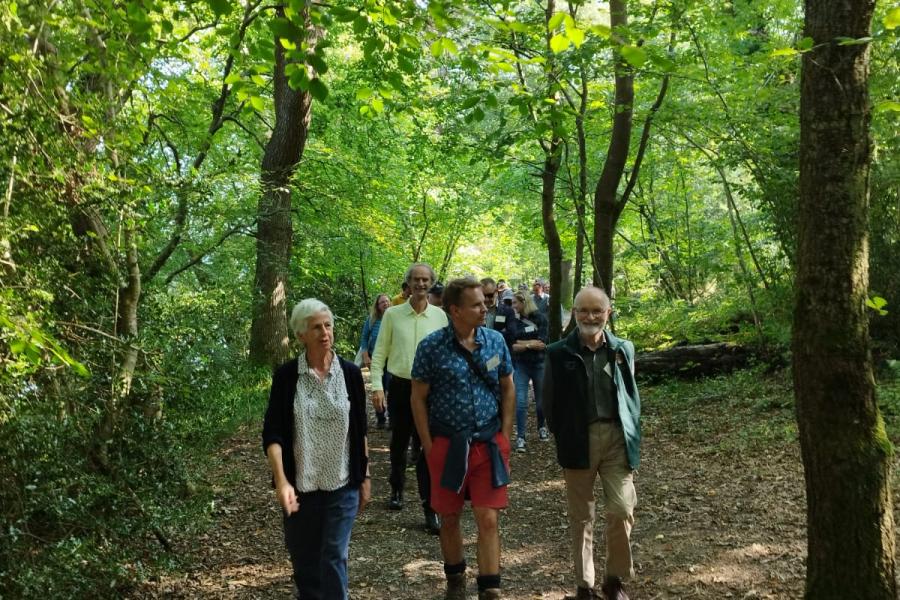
(318, 540)
(403, 429)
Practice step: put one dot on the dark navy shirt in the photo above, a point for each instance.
(459, 398)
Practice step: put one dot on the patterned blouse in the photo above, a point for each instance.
(321, 423)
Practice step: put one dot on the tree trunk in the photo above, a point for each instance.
(551, 235)
(552, 163)
(606, 207)
(846, 452)
(269, 337)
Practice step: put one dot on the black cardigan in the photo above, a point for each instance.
(278, 427)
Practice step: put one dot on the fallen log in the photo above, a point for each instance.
(692, 360)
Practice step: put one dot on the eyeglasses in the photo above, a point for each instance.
(584, 312)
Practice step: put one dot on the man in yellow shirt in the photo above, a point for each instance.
(402, 328)
(402, 297)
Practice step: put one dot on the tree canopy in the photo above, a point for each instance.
(652, 148)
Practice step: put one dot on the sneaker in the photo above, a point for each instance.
(544, 434)
(520, 444)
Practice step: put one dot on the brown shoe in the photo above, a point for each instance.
(456, 587)
(489, 594)
(613, 590)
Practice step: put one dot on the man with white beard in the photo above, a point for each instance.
(593, 409)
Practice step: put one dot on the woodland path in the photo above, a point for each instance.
(720, 515)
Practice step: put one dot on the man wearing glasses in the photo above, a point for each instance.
(593, 409)
(498, 314)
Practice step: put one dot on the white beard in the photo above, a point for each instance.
(589, 330)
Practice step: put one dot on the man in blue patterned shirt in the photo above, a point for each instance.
(463, 403)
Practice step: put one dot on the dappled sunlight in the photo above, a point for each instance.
(740, 567)
(536, 487)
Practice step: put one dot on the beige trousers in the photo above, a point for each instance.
(608, 459)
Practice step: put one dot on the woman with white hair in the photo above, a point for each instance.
(314, 436)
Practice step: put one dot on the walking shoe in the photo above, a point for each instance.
(396, 501)
(432, 522)
(520, 444)
(456, 587)
(544, 434)
(489, 594)
(613, 590)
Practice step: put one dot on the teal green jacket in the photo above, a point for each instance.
(565, 399)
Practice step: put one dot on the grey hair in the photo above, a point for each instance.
(590, 289)
(305, 309)
(419, 264)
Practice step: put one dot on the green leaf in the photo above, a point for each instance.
(576, 36)
(556, 20)
(847, 41)
(360, 24)
(317, 63)
(892, 18)
(602, 31)
(220, 7)
(257, 103)
(478, 114)
(664, 63)
(318, 89)
(633, 55)
(558, 43)
(364, 94)
(450, 46)
(299, 80)
(491, 100)
(377, 105)
(470, 102)
(437, 48)
(283, 28)
(877, 303)
(568, 21)
(805, 44)
(343, 15)
(232, 78)
(287, 44)
(784, 52)
(258, 80)
(887, 106)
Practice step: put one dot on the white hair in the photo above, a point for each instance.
(305, 309)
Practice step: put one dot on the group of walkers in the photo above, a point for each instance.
(452, 366)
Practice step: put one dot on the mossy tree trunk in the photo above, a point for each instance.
(846, 452)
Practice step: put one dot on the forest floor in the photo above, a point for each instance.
(720, 513)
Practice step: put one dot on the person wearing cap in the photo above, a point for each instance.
(435, 294)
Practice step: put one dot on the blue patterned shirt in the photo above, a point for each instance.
(460, 399)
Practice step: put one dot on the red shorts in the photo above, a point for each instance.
(478, 477)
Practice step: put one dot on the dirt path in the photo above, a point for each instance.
(720, 515)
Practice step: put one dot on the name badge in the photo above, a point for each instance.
(500, 319)
(530, 329)
(493, 363)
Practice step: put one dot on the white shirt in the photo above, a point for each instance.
(321, 425)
